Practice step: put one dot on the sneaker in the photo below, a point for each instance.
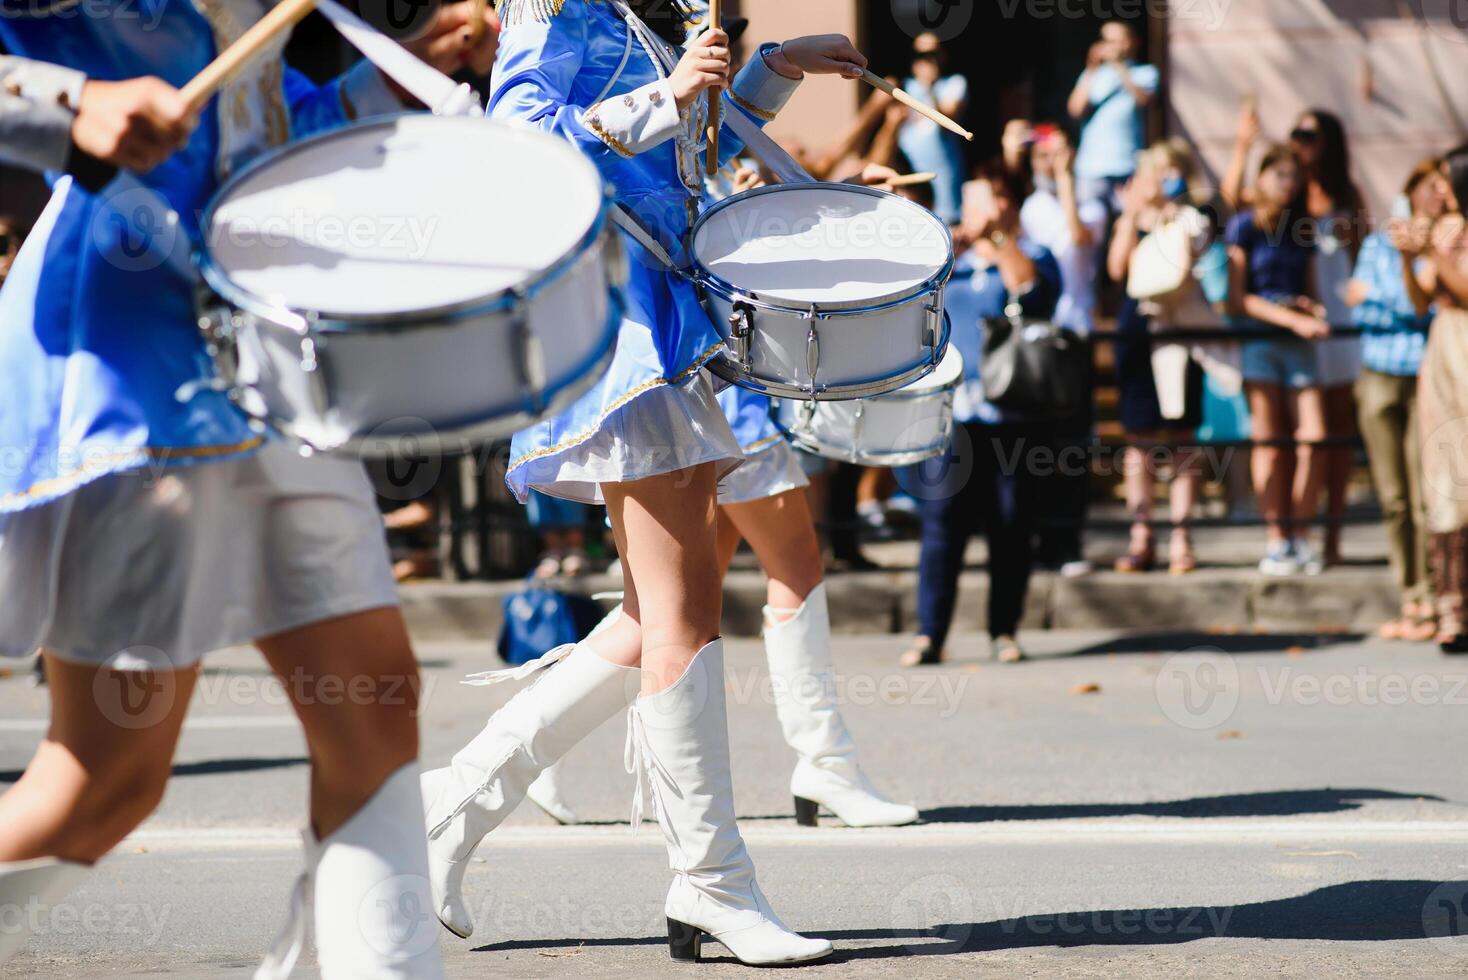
(1077, 568)
(1279, 560)
(1309, 560)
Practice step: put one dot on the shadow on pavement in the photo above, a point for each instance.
(1357, 911)
(1173, 641)
(1276, 804)
(210, 768)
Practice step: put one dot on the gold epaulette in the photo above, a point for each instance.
(516, 11)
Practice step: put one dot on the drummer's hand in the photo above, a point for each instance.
(703, 66)
(818, 54)
(746, 179)
(136, 124)
(876, 175)
(449, 43)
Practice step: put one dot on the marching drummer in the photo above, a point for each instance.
(139, 531)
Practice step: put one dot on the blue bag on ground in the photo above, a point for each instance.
(539, 619)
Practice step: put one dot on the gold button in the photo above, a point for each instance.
(12, 88)
(63, 99)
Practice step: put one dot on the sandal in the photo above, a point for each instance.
(1137, 561)
(920, 654)
(1181, 560)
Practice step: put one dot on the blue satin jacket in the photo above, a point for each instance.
(97, 318)
(582, 73)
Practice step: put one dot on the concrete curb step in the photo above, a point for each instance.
(1354, 599)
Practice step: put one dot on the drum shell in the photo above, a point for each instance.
(416, 381)
(861, 352)
(896, 429)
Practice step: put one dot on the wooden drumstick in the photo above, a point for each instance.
(916, 105)
(281, 18)
(476, 28)
(908, 180)
(716, 22)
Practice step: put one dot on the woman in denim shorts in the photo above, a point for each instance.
(1271, 253)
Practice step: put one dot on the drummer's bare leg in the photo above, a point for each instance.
(665, 529)
(679, 729)
(98, 773)
(798, 646)
(100, 770)
(354, 684)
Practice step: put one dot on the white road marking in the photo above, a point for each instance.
(1201, 831)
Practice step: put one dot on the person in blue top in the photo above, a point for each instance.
(1110, 100)
(141, 529)
(1392, 344)
(927, 146)
(649, 440)
(1271, 250)
(988, 477)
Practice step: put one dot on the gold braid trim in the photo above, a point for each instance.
(762, 444)
(517, 11)
(749, 106)
(81, 474)
(643, 388)
(593, 124)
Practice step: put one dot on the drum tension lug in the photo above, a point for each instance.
(741, 335)
(530, 352)
(812, 347)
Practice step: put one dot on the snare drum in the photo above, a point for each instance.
(823, 291)
(411, 283)
(896, 429)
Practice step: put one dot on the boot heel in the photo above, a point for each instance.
(805, 812)
(685, 943)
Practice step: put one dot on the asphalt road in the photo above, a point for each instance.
(1157, 807)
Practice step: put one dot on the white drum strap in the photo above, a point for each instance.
(625, 220)
(440, 93)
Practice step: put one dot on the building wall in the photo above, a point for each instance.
(1361, 59)
(823, 106)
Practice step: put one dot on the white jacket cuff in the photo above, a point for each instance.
(636, 122)
(761, 91)
(365, 93)
(38, 103)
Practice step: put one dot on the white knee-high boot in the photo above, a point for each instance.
(365, 895)
(488, 778)
(803, 677)
(679, 740)
(545, 793)
(28, 889)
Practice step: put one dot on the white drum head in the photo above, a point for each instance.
(946, 375)
(405, 215)
(831, 244)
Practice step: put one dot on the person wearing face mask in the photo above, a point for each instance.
(1157, 196)
(1053, 216)
(927, 146)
